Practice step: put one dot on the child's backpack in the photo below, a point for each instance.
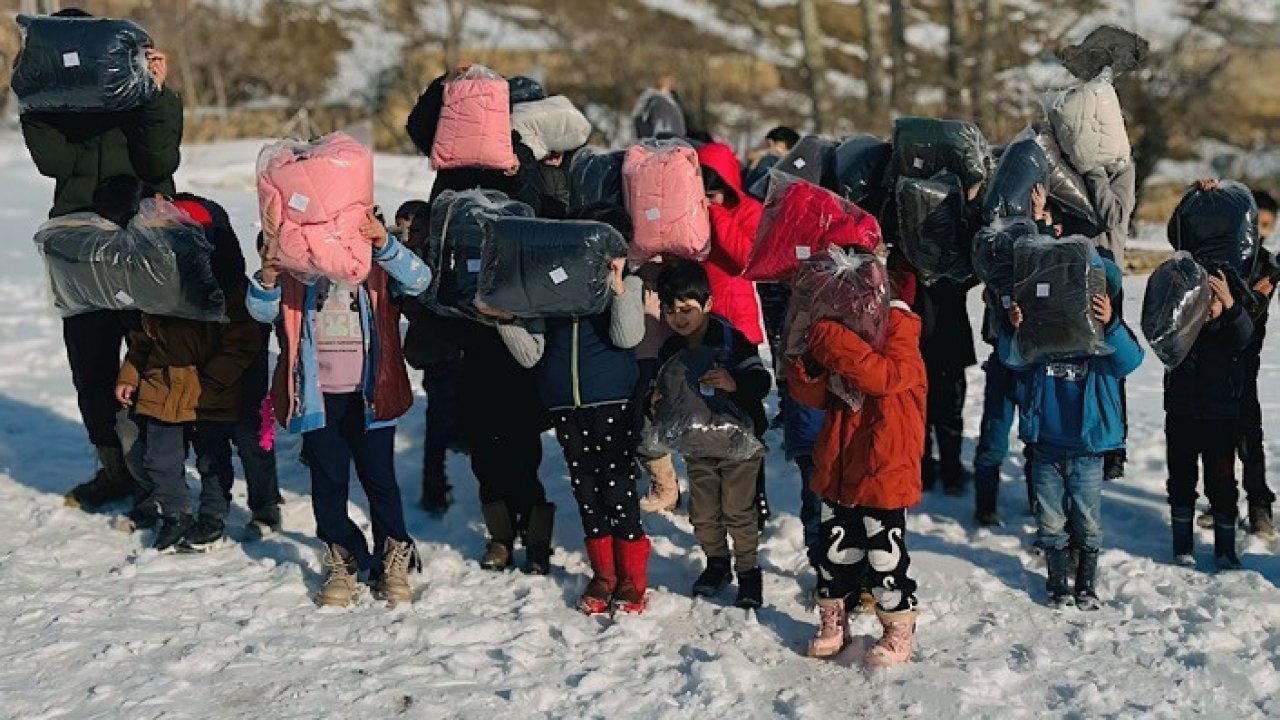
(475, 123)
(800, 221)
(662, 187)
(82, 65)
(321, 192)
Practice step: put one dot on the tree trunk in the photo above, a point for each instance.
(874, 46)
(984, 92)
(456, 12)
(898, 89)
(956, 32)
(813, 64)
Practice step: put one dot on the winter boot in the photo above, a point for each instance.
(750, 589)
(894, 647)
(112, 483)
(604, 577)
(1086, 575)
(1224, 546)
(173, 531)
(664, 487)
(833, 633)
(866, 604)
(1205, 521)
(1058, 562)
(207, 533)
(143, 515)
(631, 558)
(502, 536)
(340, 584)
(537, 539)
(1260, 522)
(266, 520)
(715, 578)
(986, 484)
(437, 494)
(399, 558)
(1181, 520)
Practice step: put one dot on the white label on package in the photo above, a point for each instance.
(558, 275)
(71, 59)
(123, 298)
(299, 202)
(473, 265)
(799, 163)
(706, 390)
(918, 163)
(652, 214)
(1042, 290)
(803, 252)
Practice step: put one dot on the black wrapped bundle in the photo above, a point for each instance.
(1219, 227)
(1056, 282)
(1022, 166)
(812, 160)
(694, 420)
(931, 227)
(1107, 46)
(1175, 307)
(993, 252)
(1066, 187)
(595, 175)
(548, 268)
(82, 65)
(524, 89)
(860, 165)
(454, 246)
(924, 147)
(161, 264)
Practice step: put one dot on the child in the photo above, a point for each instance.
(722, 493)
(341, 382)
(1072, 415)
(868, 471)
(587, 374)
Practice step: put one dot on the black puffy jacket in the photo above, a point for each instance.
(1211, 381)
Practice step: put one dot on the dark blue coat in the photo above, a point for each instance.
(581, 366)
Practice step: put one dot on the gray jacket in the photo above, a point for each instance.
(1114, 197)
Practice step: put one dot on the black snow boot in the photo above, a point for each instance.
(1182, 520)
(1059, 593)
(715, 578)
(502, 536)
(173, 532)
(1086, 577)
(750, 589)
(204, 535)
(112, 483)
(537, 539)
(1224, 545)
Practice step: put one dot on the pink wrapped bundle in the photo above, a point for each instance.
(662, 188)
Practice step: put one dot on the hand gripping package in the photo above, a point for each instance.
(82, 65)
(695, 420)
(320, 193)
(662, 188)
(455, 242)
(475, 123)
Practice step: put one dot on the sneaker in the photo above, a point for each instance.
(266, 521)
(715, 578)
(894, 647)
(339, 587)
(204, 535)
(173, 529)
(988, 519)
(833, 633)
(1261, 522)
(399, 558)
(750, 589)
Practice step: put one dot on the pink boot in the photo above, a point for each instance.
(894, 648)
(832, 634)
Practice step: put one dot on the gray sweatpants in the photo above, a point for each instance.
(722, 505)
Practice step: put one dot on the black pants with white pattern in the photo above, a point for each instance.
(863, 547)
(599, 447)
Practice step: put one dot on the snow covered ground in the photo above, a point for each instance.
(97, 625)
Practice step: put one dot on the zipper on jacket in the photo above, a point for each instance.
(573, 367)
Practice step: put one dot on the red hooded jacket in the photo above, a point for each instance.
(733, 233)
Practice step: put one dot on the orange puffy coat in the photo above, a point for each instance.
(869, 457)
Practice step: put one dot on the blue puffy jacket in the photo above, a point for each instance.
(581, 366)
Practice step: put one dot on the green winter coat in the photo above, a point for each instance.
(80, 150)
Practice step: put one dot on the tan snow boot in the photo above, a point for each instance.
(664, 487)
(340, 585)
(398, 559)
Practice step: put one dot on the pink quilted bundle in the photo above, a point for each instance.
(662, 188)
(475, 123)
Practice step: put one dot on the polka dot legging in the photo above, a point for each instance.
(599, 447)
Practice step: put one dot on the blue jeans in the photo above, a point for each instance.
(1067, 486)
(999, 411)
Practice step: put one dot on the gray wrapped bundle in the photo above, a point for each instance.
(82, 65)
(694, 420)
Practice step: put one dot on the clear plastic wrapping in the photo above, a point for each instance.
(1066, 187)
(160, 264)
(1089, 124)
(695, 420)
(924, 147)
(932, 229)
(1022, 167)
(595, 175)
(993, 252)
(1219, 227)
(860, 164)
(82, 65)
(1175, 307)
(523, 89)
(532, 267)
(1055, 284)
(475, 122)
(550, 125)
(662, 186)
(851, 288)
(800, 220)
(811, 159)
(454, 247)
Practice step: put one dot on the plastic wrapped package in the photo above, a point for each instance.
(860, 164)
(1218, 227)
(1089, 124)
(550, 125)
(851, 288)
(662, 189)
(595, 175)
(532, 267)
(800, 220)
(924, 147)
(1175, 307)
(695, 420)
(82, 65)
(1107, 46)
(455, 243)
(1055, 284)
(993, 252)
(811, 159)
(475, 123)
(931, 228)
(161, 264)
(1023, 165)
(1066, 187)
(523, 89)
(320, 193)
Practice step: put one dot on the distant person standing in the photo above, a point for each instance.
(658, 111)
(777, 143)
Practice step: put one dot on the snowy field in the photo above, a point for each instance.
(94, 624)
